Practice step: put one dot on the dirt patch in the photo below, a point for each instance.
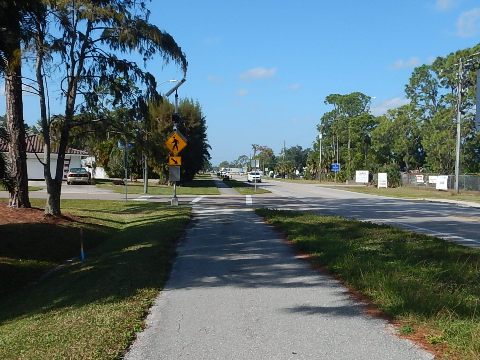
(9, 215)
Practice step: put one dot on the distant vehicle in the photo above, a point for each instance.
(224, 175)
(254, 176)
(78, 175)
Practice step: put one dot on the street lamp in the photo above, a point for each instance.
(145, 166)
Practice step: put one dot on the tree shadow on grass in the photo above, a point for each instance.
(27, 251)
(133, 259)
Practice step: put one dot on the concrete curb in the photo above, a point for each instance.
(455, 202)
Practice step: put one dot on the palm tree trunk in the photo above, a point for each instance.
(16, 128)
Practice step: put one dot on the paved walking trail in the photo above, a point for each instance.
(237, 291)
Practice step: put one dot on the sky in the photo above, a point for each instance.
(261, 69)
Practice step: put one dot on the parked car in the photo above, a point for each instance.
(78, 175)
(254, 176)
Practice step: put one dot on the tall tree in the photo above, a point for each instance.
(424, 91)
(241, 162)
(432, 90)
(11, 31)
(264, 155)
(397, 139)
(347, 110)
(439, 142)
(192, 125)
(92, 36)
(224, 164)
(296, 158)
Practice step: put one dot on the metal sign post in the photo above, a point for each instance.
(175, 143)
(335, 167)
(255, 165)
(174, 175)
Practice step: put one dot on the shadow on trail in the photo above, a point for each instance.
(236, 249)
(341, 310)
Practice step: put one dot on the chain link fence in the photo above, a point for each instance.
(465, 182)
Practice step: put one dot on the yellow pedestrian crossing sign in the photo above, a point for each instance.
(176, 142)
(174, 160)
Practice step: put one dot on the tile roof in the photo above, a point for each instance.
(35, 144)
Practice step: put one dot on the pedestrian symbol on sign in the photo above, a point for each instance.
(175, 142)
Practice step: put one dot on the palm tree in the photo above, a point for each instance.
(11, 68)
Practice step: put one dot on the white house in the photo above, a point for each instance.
(35, 147)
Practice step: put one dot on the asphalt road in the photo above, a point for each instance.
(237, 291)
(453, 222)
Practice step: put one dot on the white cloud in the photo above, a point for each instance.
(258, 73)
(2, 89)
(444, 5)
(404, 64)
(214, 79)
(294, 87)
(468, 23)
(388, 104)
(242, 92)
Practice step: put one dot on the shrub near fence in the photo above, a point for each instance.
(466, 182)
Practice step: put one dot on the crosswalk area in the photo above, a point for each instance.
(228, 201)
(247, 200)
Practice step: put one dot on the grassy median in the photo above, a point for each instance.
(199, 186)
(429, 287)
(415, 193)
(88, 310)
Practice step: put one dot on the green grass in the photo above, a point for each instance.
(89, 310)
(415, 193)
(200, 186)
(429, 286)
(246, 188)
(35, 188)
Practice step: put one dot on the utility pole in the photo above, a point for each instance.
(320, 155)
(463, 65)
(459, 128)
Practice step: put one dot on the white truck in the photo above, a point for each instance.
(254, 176)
